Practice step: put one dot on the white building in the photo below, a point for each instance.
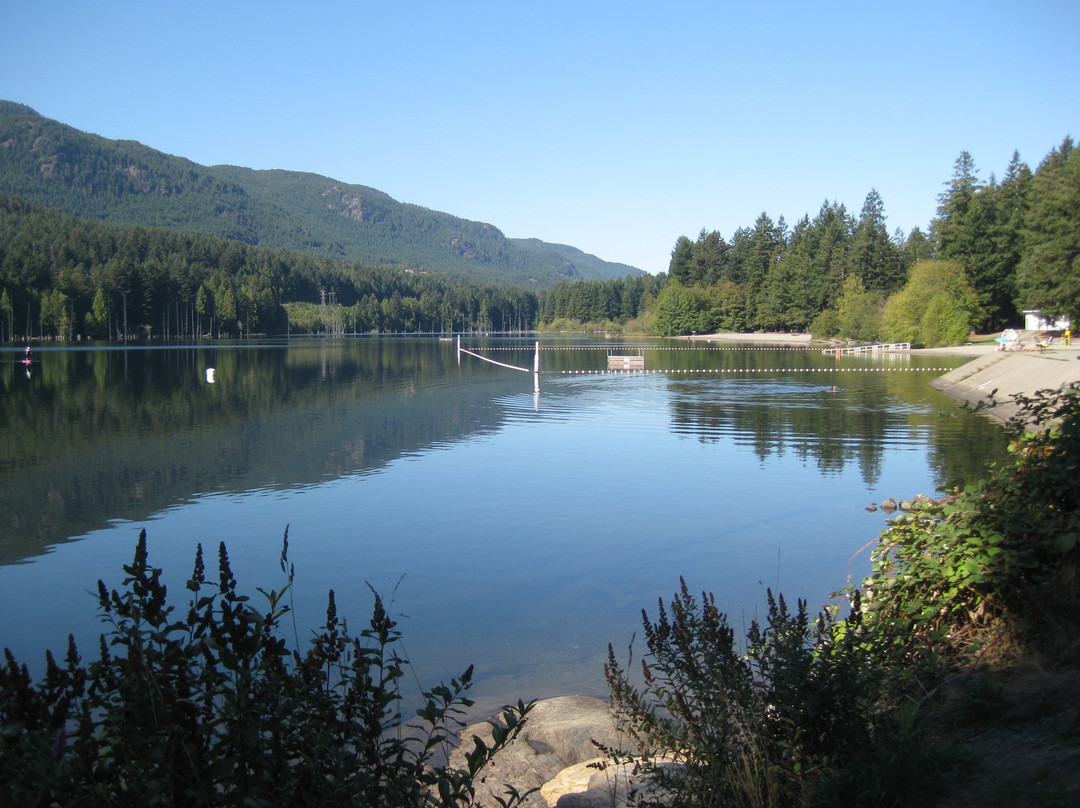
(1034, 321)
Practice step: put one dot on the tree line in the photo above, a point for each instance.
(993, 248)
(65, 277)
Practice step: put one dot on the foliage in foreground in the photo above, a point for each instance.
(827, 711)
(212, 708)
(783, 719)
(996, 568)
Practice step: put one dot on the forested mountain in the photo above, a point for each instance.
(55, 166)
(66, 277)
(994, 248)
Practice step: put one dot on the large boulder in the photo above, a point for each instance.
(559, 733)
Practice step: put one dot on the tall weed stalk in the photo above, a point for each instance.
(755, 723)
(211, 707)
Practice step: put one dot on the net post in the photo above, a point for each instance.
(536, 369)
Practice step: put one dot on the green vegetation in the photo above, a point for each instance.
(994, 248)
(211, 707)
(828, 712)
(263, 251)
(66, 277)
(994, 569)
(122, 182)
(1015, 242)
(754, 723)
(1048, 274)
(937, 306)
(608, 305)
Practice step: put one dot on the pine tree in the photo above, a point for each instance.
(874, 256)
(1049, 275)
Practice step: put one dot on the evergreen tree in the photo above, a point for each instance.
(681, 266)
(978, 227)
(1049, 275)
(711, 254)
(764, 246)
(6, 314)
(874, 256)
(993, 270)
(951, 232)
(916, 246)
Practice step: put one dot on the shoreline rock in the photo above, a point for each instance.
(556, 752)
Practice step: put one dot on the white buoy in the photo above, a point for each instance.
(210, 375)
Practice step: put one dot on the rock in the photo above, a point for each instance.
(559, 733)
(607, 786)
(571, 780)
(916, 503)
(888, 505)
(871, 507)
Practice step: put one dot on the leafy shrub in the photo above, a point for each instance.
(937, 306)
(997, 564)
(212, 708)
(760, 727)
(820, 712)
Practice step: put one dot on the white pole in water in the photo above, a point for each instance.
(536, 369)
(459, 349)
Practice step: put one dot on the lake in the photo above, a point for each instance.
(519, 531)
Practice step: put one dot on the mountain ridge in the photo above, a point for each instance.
(57, 166)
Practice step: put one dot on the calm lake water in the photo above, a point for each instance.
(521, 532)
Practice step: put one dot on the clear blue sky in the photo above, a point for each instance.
(615, 127)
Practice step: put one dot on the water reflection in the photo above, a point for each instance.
(96, 435)
(532, 529)
(800, 411)
(100, 435)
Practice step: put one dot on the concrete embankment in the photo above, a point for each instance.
(999, 375)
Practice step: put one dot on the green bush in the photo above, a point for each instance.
(211, 707)
(827, 711)
(995, 569)
(937, 306)
(766, 725)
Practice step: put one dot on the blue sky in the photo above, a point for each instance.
(615, 127)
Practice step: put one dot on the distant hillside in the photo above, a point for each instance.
(121, 181)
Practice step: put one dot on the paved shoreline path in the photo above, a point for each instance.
(1003, 374)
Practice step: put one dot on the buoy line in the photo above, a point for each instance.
(651, 348)
(748, 370)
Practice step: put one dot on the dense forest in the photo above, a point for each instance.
(65, 277)
(994, 248)
(123, 182)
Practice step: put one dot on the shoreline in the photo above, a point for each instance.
(806, 340)
(990, 379)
